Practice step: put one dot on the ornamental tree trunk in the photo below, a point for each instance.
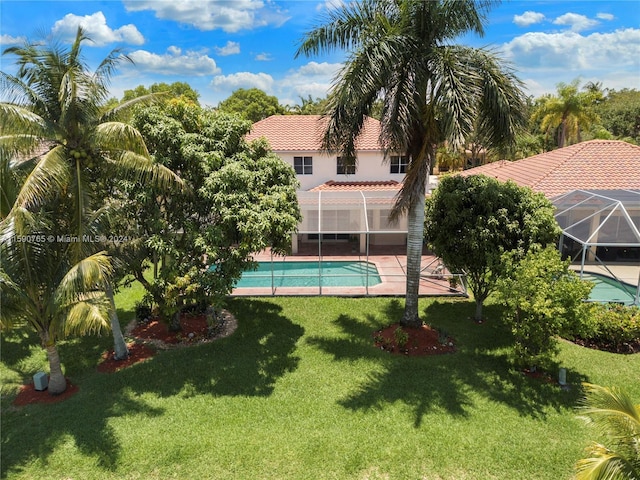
(121, 352)
(57, 382)
(478, 315)
(415, 240)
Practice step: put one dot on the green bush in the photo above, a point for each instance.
(613, 325)
(542, 298)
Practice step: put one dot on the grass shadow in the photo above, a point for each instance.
(248, 363)
(450, 382)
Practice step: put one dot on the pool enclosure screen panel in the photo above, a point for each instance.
(600, 217)
(349, 212)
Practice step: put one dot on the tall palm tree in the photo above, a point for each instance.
(41, 288)
(569, 112)
(614, 413)
(54, 98)
(401, 52)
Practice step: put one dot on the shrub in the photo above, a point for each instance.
(615, 325)
(542, 297)
(402, 337)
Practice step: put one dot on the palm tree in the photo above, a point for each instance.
(54, 99)
(569, 112)
(613, 412)
(432, 91)
(42, 289)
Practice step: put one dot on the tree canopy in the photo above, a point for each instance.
(238, 199)
(252, 104)
(472, 221)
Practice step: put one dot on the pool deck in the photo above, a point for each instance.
(625, 272)
(391, 264)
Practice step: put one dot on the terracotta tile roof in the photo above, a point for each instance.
(596, 164)
(358, 186)
(288, 133)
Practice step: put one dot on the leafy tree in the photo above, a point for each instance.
(41, 288)
(542, 298)
(238, 199)
(402, 53)
(174, 90)
(568, 113)
(620, 114)
(611, 411)
(252, 104)
(471, 221)
(55, 100)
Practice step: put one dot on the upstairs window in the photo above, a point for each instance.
(399, 163)
(342, 169)
(303, 165)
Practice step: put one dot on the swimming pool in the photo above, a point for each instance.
(608, 289)
(311, 274)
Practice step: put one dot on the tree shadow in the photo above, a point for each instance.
(449, 382)
(36, 431)
(248, 363)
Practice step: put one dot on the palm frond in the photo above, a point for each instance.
(89, 274)
(142, 169)
(604, 464)
(123, 107)
(15, 119)
(88, 315)
(117, 136)
(46, 180)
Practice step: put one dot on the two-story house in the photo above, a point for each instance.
(339, 202)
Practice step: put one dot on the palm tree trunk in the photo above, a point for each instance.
(415, 238)
(121, 352)
(57, 382)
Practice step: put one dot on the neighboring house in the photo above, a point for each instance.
(589, 170)
(338, 202)
(592, 165)
(297, 139)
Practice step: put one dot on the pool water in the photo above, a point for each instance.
(608, 289)
(309, 274)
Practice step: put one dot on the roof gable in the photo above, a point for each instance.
(300, 133)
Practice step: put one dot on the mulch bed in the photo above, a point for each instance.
(148, 339)
(28, 395)
(421, 341)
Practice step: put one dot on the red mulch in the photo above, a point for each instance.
(28, 394)
(421, 341)
(137, 353)
(194, 328)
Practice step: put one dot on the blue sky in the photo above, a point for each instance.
(219, 46)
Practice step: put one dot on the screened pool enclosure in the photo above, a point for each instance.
(360, 217)
(600, 226)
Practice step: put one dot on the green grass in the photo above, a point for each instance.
(299, 392)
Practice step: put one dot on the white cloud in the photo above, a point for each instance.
(575, 21)
(231, 82)
(605, 16)
(553, 57)
(313, 79)
(231, 48)
(96, 28)
(263, 57)
(174, 62)
(528, 18)
(329, 5)
(9, 40)
(230, 16)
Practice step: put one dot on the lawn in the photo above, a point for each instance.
(299, 392)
